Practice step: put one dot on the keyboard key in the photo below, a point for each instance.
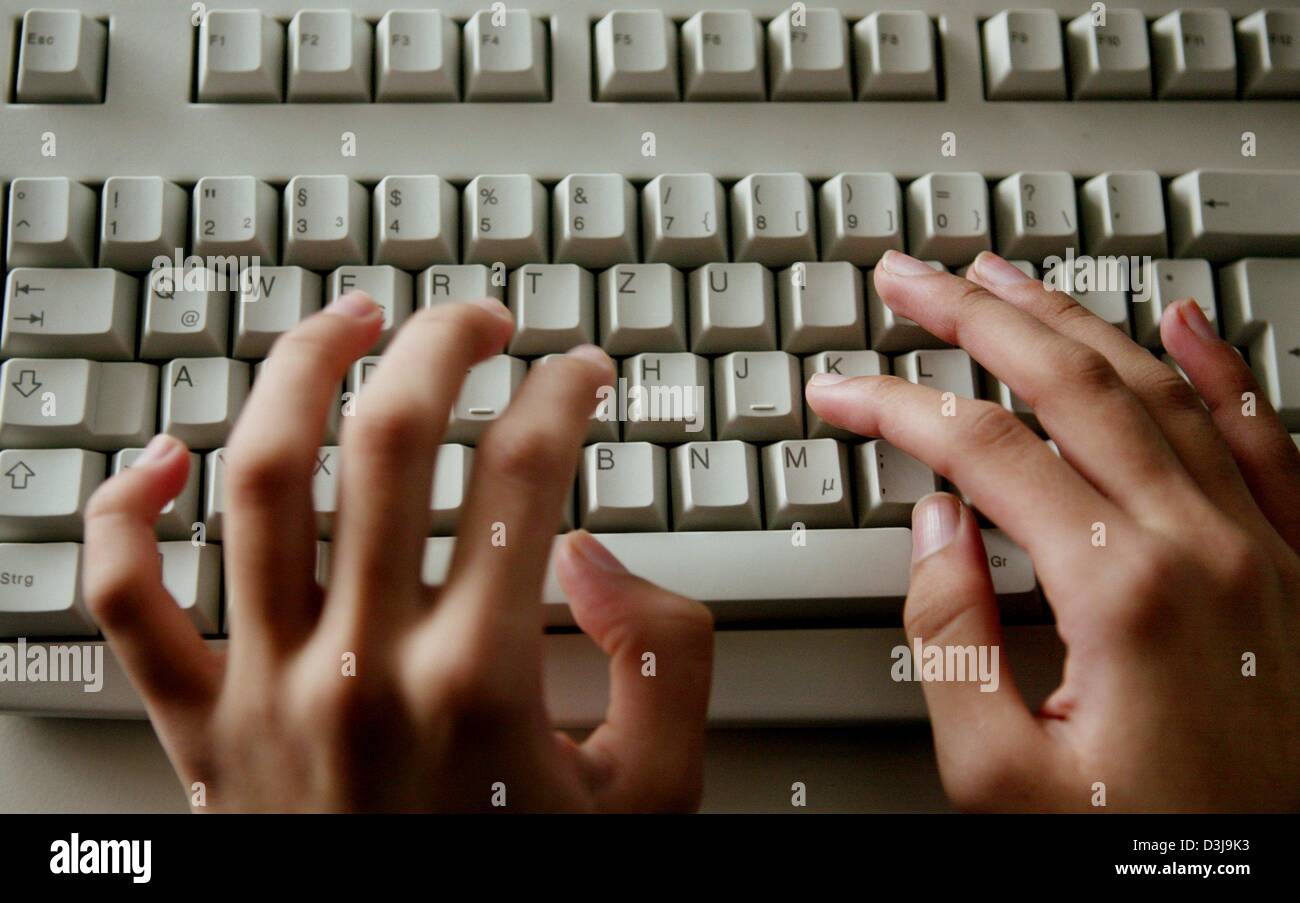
(484, 396)
(40, 591)
(192, 575)
(1170, 281)
(642, 307)
(890, 331)
(861, 217)
(506, 221)
(66, 313)
(505, 56)
(236, 216)
(179, 321)
(732, 308)
(1124, 214)
(596, 221)
(214, 493)
(327, 222)
(1109, 304)
(61, 58)
(998, 391)
(241, 57)
(202, 398)
(452, 282)
(668, 398)
(1222, 215)
(554, 307)
(416, 221)
(270, 303)
(806, 481)
(330, 56)
(841, 363)
(1036, 215)
(945, 370)
(75, 403)
(895, 53)
(178, 516)
(809, 60)
(772, 219)
(143, 217)
(948, 217)
(417, 56)
(451, 477)
(715, 486)
(1195, 54)
(1110, 59)
(1023, 58)
(1268, 43)
(722, 56)
(1260, 314)
(889, 483)
(636, 56)
(685, 220)
(392, 289)
(623, 486)
(821, 307)
(43, 492)
(51, 224)
(758, 396)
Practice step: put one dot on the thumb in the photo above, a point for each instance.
(649, 753)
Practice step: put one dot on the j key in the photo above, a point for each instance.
(43, 492)
(506, 221)
(1023, 58)
(595, 221)
(74, 403)
(417, 56)
(236, 216)
(1110, 58)
(191, 574)
(178, 516)
(772, 219)
(840, 363)
(895, 53)
(455, 282)
(722, 56)
(642, 307)
(890, 331)
(668, 398)
(1195, 54)
(66, 313)
(142, 217)
(861, 216)
(1036, 215)
(945, 370)
(821, 306)
(684, 220)
(808, 56)
(416, 221)
(1171, 280)
(806, 481)
(184, 321)
(241, 57)
(1260, 313)
(1268, 43)
(715, 486)
(554, 307)
(623, 486)
(330, 56)
(505, 56)
(272, 300)
(327, 222)
(948, 217)
(758, 396)
(484, 396)
(51, 224)
(42, 596)
(636, 56)
(61, 58)
(1222, 215)
(1124, 213)
(202, 398)
(889, 483)
(732, 308)
(392, 289)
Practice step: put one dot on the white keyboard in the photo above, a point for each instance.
(704, 193)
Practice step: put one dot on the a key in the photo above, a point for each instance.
(636, 56)
(1268, 44)
(1023, 57)
(945, 370)
(66, 313)
(1170, 281)
(1124, 214)
(272, 301)
(861, 217)
(892, 332)
(641, 307)
(1260, 314)
(191, 574)
(61, 57)
(327, 222)
(142, 218)
(596, 221)
(416, 222)
(51, 224)
(948, 217)
(715, 486)
(214, 494)
(181, 321)
(733, 307)
(1222, 215)
(889, 483)
(454, 282)
(392, 289)
(623, 486)
(506, 221)
(201, 399)
(772, 219)
(41, 596)
(895, 54)
(722, 56)
(839, 363)
(758, 396)
(330, 56)
(808, 56)
(241, 57)
(43, 492)
(668, 398)
(820, 306)
(177, 518)
(806, 481)
(554, 307)
(417, 56)
(505, 56)
(603, 424)
(236, 216)
(1109, 55)
(1036, 215)
(1195, 54)
(484, 396)
(684, 219)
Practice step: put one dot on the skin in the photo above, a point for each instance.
(1201, 508)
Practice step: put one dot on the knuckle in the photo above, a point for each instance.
(1147, 607)
(933, 619)
(1167, 391)
(111, 594)
(991, 426)
(388, 432)
(1240, 563)
(1090, 371)
(984, 781)
(971, 306)
(258, 476)
(529, 453)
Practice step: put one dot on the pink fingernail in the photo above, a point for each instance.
(159, 448)
(997, 270)
(934, 524)
(353, 304)
(827, 379)
(1194, 319)
(899, 264)
(595, 553)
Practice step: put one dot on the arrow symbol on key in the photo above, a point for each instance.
(19, 474)
(27, 289)
(26, 383)
(22, 223)
(37, 319)
(1212, 203)
(1294, 352)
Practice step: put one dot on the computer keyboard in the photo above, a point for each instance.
(703, 193)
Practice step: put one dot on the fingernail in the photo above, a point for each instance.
(934, 524)
(492, 305)
(826, 379)
(997, 270)
(596, 554)
(900, 264)
(353, 304)
(1194, 319)
(159, 448)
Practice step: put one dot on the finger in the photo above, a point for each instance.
(1264, 452)
(990, 748)
(389, 446)
(158, 646)
(649, 752)
(1168, 399)
(1009, 473)
(270, 535)
(1075, 392)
